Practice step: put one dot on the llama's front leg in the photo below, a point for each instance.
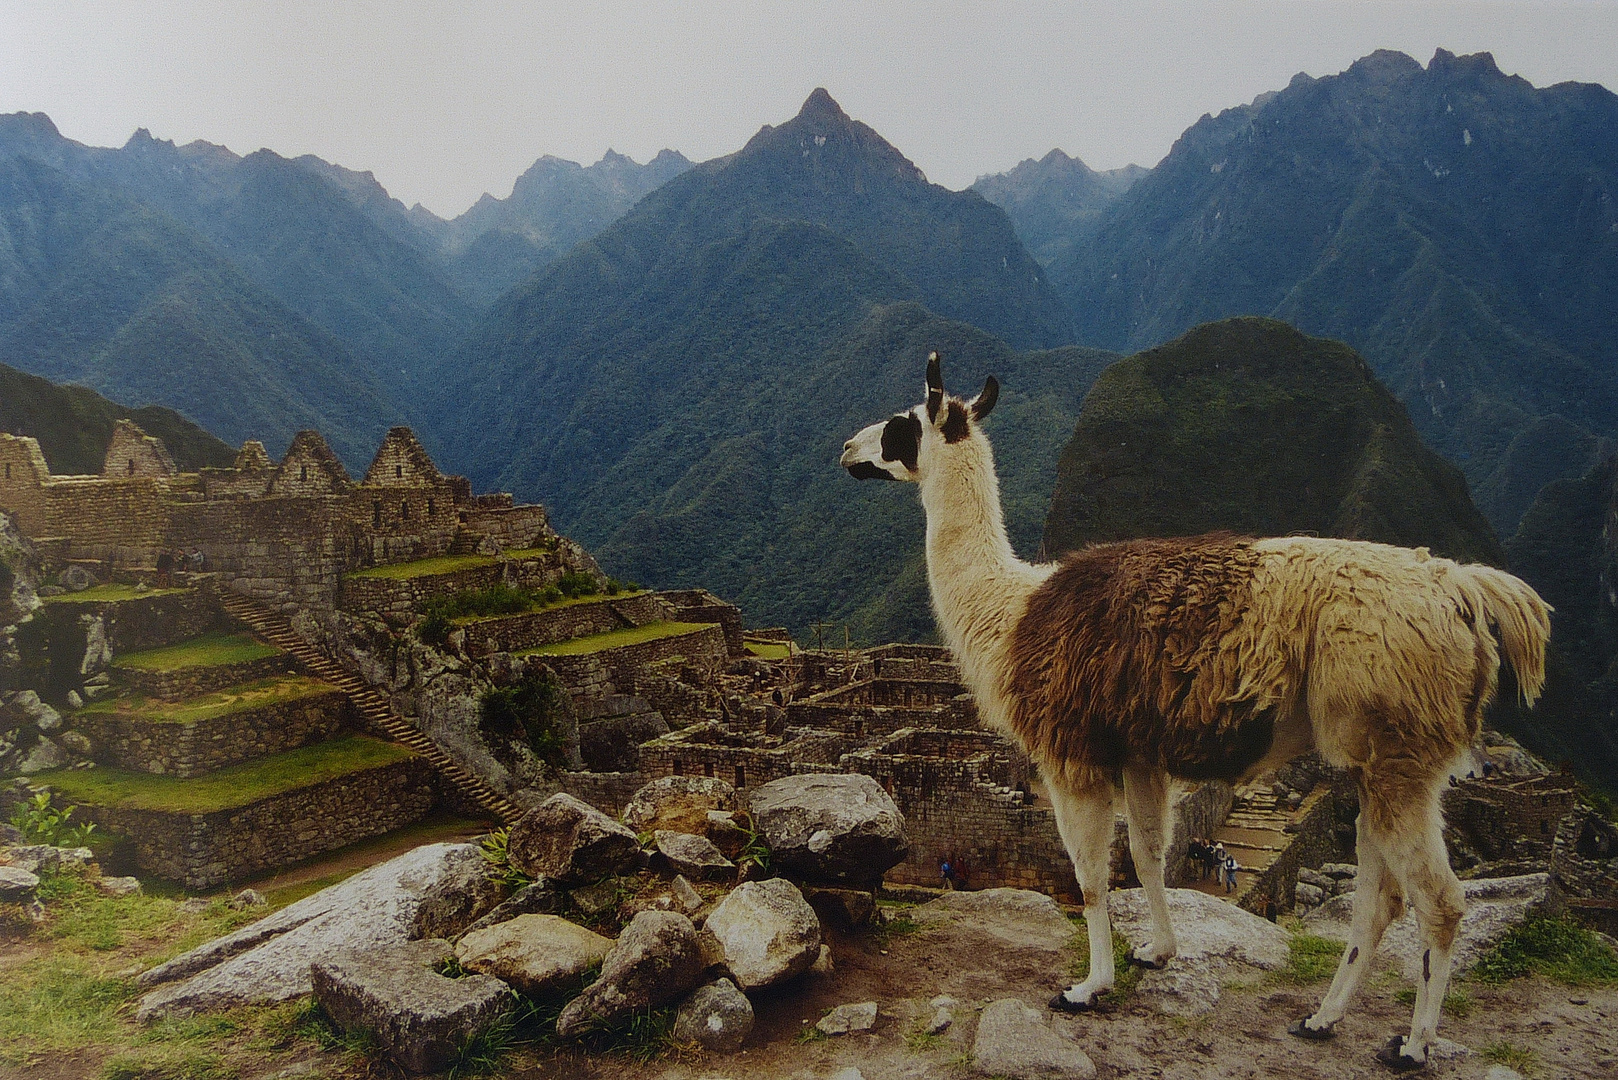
(1377, 902)
(1084, 819)
(1146, 799)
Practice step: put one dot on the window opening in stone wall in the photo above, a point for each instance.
(404, 511)
(679, 767)
(707, 769)
(741, 776)
(131, 466)
(432, 510)
(303, 472)
(398, 470)
(376, 513)
(8, 470)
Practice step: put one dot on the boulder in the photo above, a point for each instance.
(1180, 989)
(117, 886)
(943, 1017)
(685, 895)
(655, 961)
(29, 709)
(717, 1017)
(726, 833)
(536, 898)
(47, 754)
(679, 803)
(1016, 917)
(766, 931)
(1337, 871)
(1315, 878)
(1493, 907)
(849, 1019)
(833, 828)
(1308, 895)
(1208, 929)
(17, 884)
(536, 954)
(394, 993)
(46, 859)
(692, 856)
(845, 909)
(433, 891)
(76, 578)
(571, 842)
(597, 899)
(1015, 1041)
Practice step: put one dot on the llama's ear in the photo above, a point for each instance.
(985, 401)
(935, 387)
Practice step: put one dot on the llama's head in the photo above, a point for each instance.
(900, 447)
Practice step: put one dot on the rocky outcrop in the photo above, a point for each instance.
(693, 856)
(16, 884)
(766, 932)
(655, 961)
(536, 954)
(679, 803)
(1015, 1041)
(419, 1018)
(433, 891)
(717, 1017)
(1019, 918)
(833, 828)
(571, 842)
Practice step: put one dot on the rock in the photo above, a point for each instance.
(823, 965)
(17, 884)
(76, 578)
(766, 931)
(1315, 878)
(50, 590)
(419, 1018)
(1308, 895)
(1207, 929)
(1014, 1041)
(45, 859)
(1181, 989)
(593, 900)
(74, 700)
(433, 891)
(1502, 1072)
(536, 954)
(1447, 1050)
(47, 754)
(717, 1017)
(194, 905)
(10, 835)
(848, 1073)
(687, 897)
(118, 886)
(1494, 906)
(1339, 870)
(1346, 885)
(1017, 917)
(835, 828)
(692, 856)
(942, 1019)
(97, 649)
(846, 909)
(849, 1019)
(571, 842)
(76, 742)
(31, 710)
(248, 898)
(656, 960)
(536, 898)
(728, 836)
(678, 803)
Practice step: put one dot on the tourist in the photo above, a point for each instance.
(1230, 873)
(196, 560)
(165, 567)
(946, 872)
(1196, 854)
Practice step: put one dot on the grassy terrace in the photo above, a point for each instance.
(769, 650)
(553, 605)
(106, 594)
(251, 695)
(616, 639)
(209, 650)
(230, 787)
(444, 564)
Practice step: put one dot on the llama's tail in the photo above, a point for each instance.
(1524, 624)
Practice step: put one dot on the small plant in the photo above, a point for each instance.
(919, 1040)
(1511, 1056)
(497, 850)
(810, 1034)
(1559, 949)
(1310, 958)
(574, 585)
(532, 709)
(41, 823)
(755, 853)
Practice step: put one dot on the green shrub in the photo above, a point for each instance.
(41, 823)
(574, 585)
(497, 850)
(1559, 949)
(535, 708)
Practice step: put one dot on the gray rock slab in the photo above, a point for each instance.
(117, 886)
(418, 1017)
(1493, 907)
(1207, 929)
(685, 895)
(1016, 917)
(1015, 1041)
(850, 1019)
(692, 856)
(1180, 989)
(830, 828)
(536, 954)
(717, 1017)
(766, 931)
(680, 803)
(536, 898)
(571, 842)
(17, 884)
(655, 961)
(43, 858)
(433, 891)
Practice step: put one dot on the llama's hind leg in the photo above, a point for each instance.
(1146, 799)
(1084, 820)
(1422, 864)
(1377, 902)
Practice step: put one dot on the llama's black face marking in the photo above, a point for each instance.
(955, 426)
(901, 440)
(888, 450)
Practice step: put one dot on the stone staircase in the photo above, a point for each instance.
(371, 705)
(1255, 832)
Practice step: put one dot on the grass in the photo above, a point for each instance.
(769, 650)
(1310, 958)
(209, 650)
(919, 1040)
(444, 564)
(108, 594)
(1126, 976)
(1457, 1003)
(615, 639)
(1511, 1056)
(237, 785)
(254, 695)
(551, 605)
(1559, 949)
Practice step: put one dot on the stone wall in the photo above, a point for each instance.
(740, 759)
(588, 675)
(510, 633)
(145, 622)
(406, 596)
(700, 605)
(180, 683)
(875, 707)
(201, 851)
(193, 747)
(513, 528)
(1510, 819)
(606, 791)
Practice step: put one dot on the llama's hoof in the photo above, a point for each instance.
(1393, 1056)
(1062, 1003)
(1303, 1031)
(1147, 962)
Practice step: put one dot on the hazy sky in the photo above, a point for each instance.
(446, 101)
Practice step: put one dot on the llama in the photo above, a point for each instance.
(1217, 657)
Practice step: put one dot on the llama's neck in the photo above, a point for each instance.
(979, 586)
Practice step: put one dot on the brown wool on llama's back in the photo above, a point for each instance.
(1123, 652)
